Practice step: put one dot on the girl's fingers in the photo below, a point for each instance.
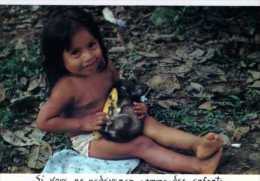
(97, 128)
(141, 116)
(139, 112)
(139, 109)
(101, 114)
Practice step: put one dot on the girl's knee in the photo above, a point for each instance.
(142, 143)
(151, 127)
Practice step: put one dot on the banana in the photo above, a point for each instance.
(109, 106)
(111, 103)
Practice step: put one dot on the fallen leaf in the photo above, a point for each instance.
(108, 15)
(257, 38)
(20, 44)
(209, 72)
(218, 88)
(21, 169)
(26, 137)
(255, 125)
(255, 74)
(225, 139)
(256, 84)
(117, 49)
(240, 132)
(207, 106)
(5, 52)
(182, 52)
(39, 155)
(24, 81)
(255, 56)
(149, 54)
(254, 158)
(209, 55)
(182, 70)
(230, 126)
(35, 83)
(249, 80)
(167, 61)
(250, 116)
(27, 101)
(243, 64)
(2, 93)
(164, 83)
(196, 86)
(197, 53)
(257, 138)
(35, 7)
(167, 103)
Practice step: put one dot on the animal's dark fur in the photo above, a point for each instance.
(125, 126)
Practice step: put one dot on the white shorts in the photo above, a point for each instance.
(81, 142)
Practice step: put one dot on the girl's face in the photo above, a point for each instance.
(84, 55)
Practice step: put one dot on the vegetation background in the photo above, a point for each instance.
(201, 63)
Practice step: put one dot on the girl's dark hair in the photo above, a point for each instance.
(62, 24)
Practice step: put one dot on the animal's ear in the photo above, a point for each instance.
(138, 91)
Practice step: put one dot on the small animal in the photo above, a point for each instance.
(123, 124)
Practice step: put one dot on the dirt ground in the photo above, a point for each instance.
(207, 73)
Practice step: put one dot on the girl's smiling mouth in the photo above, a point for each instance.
(90, 63)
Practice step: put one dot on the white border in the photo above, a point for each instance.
(136, 2)
(126, 177)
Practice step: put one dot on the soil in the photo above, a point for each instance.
(143, 50)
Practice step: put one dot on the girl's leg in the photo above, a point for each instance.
(158, 156)
(167, 136)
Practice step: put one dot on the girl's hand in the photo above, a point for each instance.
(94, 122)
(140, 109)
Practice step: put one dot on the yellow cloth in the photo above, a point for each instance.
(111, 102)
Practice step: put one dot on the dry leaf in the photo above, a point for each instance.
(26, 137)
(167, 103)
(35, 83)
(256, 84)
(207, 106)
(108, 15)
(225, 139)
(240, 132)
(164, 83)
(39, 155)
(117, 49)
(2, 93)
(182, 70)
(196, 86)
(210, 54)
(197, 53)
(149, 54)
(255, 55)
(255, 74)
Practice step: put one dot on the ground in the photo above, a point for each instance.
(201, 64)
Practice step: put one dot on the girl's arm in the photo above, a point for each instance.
(50, 119)
(113, 70)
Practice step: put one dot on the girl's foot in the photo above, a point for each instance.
(209, 166)
(209, 145)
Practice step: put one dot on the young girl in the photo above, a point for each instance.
(81, 77)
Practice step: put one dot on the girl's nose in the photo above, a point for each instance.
(86, 56)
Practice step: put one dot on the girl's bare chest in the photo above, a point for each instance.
(93, 93)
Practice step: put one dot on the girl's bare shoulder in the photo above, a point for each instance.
(64, 88)
(114, 71)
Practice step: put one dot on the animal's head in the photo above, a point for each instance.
(118, 128)
(131, 89)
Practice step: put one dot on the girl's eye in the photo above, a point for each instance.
(75, 53)
(92, 45)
